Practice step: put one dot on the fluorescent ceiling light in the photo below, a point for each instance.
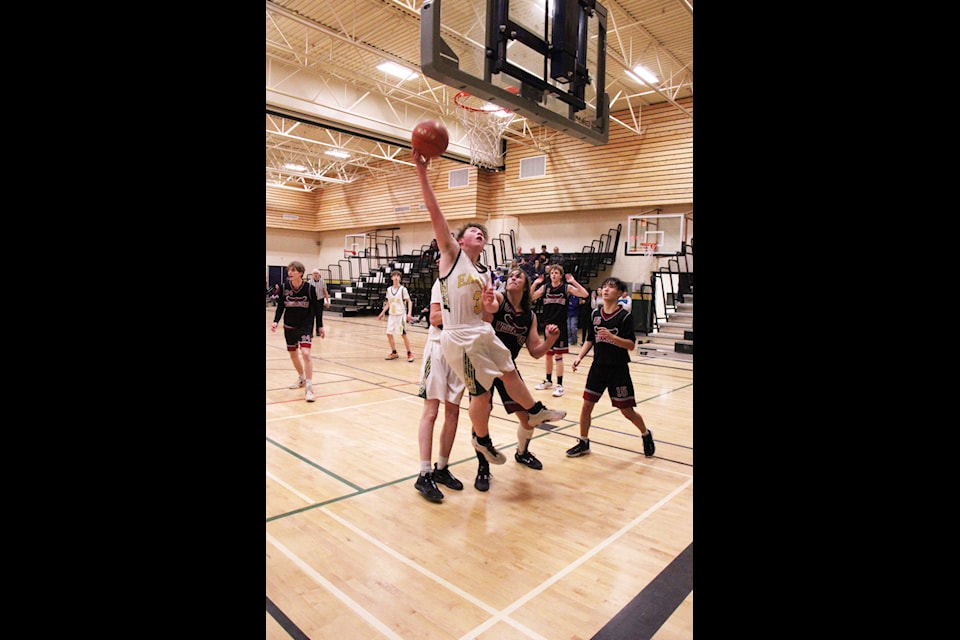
(337, 154)
(644, 74)
(397, 71)
(294, 167)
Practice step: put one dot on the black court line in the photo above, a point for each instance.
(647, 612)
(285, 622)
(639, 620)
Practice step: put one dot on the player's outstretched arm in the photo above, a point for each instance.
(441, 228)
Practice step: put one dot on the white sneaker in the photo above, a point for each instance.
(546, 384)
(545, 415)
(299, 383)
(558, 391)
(310, 396)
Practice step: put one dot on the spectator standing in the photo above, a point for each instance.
(625, 301)
(323, 300)
(586, 310)
(433, 251)
(295, 305)
(611, 330)
(399, 309)
(573, 317)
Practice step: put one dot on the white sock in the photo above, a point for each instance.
(523, 438)
(425, 467)
(310, 382)
(442, 462)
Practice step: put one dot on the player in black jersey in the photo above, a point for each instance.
(611, 330)
(296, 305)
(556, 290)
(515, 324)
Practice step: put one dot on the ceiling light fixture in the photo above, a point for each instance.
(337, 154)
(397, 71)
(294, 167)
(643, 74)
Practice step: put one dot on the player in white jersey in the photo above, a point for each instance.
(469, 343)
(398, 305)
(438, 383)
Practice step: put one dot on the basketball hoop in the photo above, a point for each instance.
(647, 248)
(349, 253)
(485, 123)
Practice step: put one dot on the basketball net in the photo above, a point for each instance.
(648, 248)
(484, 123)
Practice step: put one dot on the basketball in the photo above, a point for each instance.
(430, 138)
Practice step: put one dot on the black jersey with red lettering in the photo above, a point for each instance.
(554, 305)
(620, 324)
(512, 326)
(296, 306)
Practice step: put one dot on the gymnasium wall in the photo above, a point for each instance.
(586, 191)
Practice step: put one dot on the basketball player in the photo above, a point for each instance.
(555, 294)
(297, 299)
(611, 330)
(397, 302)
(469, 343)
(515, 324)
(438, 383)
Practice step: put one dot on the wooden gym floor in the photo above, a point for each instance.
(593, 547)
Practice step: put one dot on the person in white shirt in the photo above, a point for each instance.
(470, 344)
(399, 306)
(323, 300)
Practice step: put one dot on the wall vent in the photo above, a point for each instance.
(535, 167)
(403, 209)
(458, 178)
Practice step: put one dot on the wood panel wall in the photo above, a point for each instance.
(630, 171)
(288, 209)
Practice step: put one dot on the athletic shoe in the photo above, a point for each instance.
(489, 451)
(409, 357)
(558, 391)
(428, 488)
(299, 383)
(310, 396)
(648, 447)
(582, 448)
(546, 384)
(545, 415)
(482, 483)
(444, 477)
(528, 459)
(392, 356)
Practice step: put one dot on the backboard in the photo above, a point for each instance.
(553, 51)
(667, 231)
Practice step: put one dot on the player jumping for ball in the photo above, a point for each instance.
(469, 344)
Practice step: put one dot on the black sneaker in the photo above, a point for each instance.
(528, 459)
(444, 477)
(582, 448)
(648, 447)
(489, 451)
(482, 483)
(428, 488)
